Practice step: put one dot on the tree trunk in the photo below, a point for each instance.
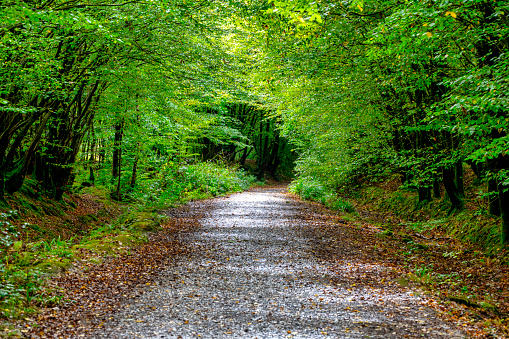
(424, 195)
(266, 146)
(91, 177)
(503, 194)
(273, 162)
(244, 156)
(117, 149)
(493, 195)
(436, 189)
(133, 176)
(117, 193)
(477, 168)
(261, 149)
(451, 189)
(232, 153)
(458, 171)
(91, 159)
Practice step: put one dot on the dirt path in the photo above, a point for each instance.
(259, 275)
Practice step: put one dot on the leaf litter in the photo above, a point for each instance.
(260, 264)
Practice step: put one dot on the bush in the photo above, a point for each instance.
(308, 188)
(177, 184)
(311, 189)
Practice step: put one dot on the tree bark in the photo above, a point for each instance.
(493, 195)
(133, 176)
(91, 177)
(244, 156)
(436, 189)
(451, 189)
(117, 149)
(458, 171)
(117, 193)
(503, 194)
(424, 195)
(261, 149)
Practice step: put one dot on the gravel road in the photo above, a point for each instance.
(255, 276)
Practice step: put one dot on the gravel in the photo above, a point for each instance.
(254, 275)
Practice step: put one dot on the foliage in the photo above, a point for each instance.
(66, 65)
(8, 231)
(177, 184)
(125, 88)
(311, 189)
(373, 88)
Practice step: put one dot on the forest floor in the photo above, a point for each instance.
(456, 257)
(260, 264)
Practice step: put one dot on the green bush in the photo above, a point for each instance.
(177, 184)
(308, 188)
(311, 189)
(338, 203)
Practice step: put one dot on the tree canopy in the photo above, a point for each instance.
(357, 89)
(414, 87)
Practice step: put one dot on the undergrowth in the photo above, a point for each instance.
(472, 226)
(26, 264)
(314, 190)
(45, 237)
(177, 183)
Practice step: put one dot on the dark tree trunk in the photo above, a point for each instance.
(91, 177)
(477, 168)
(13, 179)
(261, 149)
(245, 154)
(436, 189)
(502, 162)
(133, 176)
(458, 171)
(451, 189)
(117, 149)
(424, 195)
(493, 195)
(117, 195)
(503, 194)
(232, 153)
(266, 145)
(274, 158)
(494, 201)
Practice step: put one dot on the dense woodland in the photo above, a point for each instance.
(124, 91)
(160, 102)
(419, 88)
(358, 88)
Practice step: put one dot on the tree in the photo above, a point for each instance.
(60, 58)
(422, 78)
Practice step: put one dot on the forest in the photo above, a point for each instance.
(151, 104)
